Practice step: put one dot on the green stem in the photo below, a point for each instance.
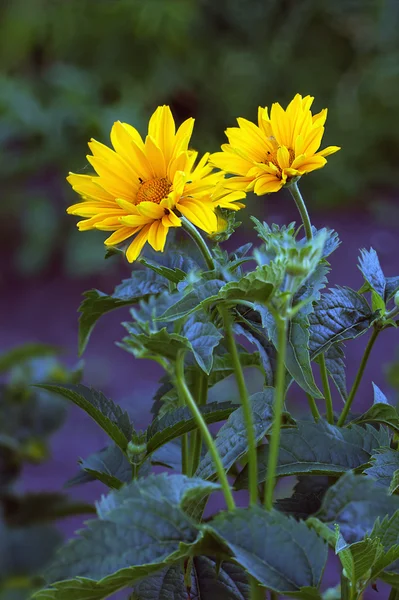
(326, 389)
(185, 461)
(199, 240)
(246, 406)
(207, 437)
(257, 591)
(358, 378)
(196, 440)
(282, 324)
(313, 408)
(301, 206)
(394, 594)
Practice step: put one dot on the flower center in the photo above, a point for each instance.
(272, 158)
(153, 190)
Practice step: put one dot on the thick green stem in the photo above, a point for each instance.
(313, 408)
(257, 592)
(326, 389)
(199, 240)
(206, 435)
(282, 324)
(301, 206)
(246, 406)
(352, 393)
(196, 437)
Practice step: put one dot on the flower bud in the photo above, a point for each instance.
(135, 452)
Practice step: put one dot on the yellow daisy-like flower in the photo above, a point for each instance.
(142, 187)
(283, 146)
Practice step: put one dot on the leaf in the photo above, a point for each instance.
(110, 466)
(379, 396)
(24, 353)
(38, 507)
(319, 449)
(130, 291)
(203, 338)
(341, 314)
(357, 561)
(354, 503)
(191, 299)
(231, 440)
(180, 421)
(335, 364)
(391, 287)
(311, 287)
(173, 275)
(256, 286)
(380, 413)
(297, 359)
(384, 463)
(267, 351)
(208, 582)
(394, 485)
(144, 528)
(371, 270)
(245, 531)
(111, 418)
(306, 499)
(223, 367)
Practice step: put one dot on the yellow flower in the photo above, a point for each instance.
(142, 187)
(267, 156)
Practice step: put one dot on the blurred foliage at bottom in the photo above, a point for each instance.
(28, 417)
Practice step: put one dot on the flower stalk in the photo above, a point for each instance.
(301, 206)
(326, 389)
(200, 242)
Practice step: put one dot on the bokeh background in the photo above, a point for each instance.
(69, 69)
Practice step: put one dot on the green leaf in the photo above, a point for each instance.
(297, 358)
(141, 285)
(223, 367)
(253, 535)
(257, 286)
(379, 396)
(335, 364)
(357, 561)
(341, 314)
(115, 422)
(208, 582)
(372, 272)
(203, 338)
(180, 421)
(142, 527)
(38, 507)
(394, 485)
(391, 287)
(231, 440)
(306, 499)
(380, 413)
(311, 287)
(24, 353)
(267, 352)
(173, 275)
(384, 463)
(110, 466)
(319, 449)
(354, 503)
(192, 298)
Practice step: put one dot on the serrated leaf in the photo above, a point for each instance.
(130, 291)
(111, 418)
(223, 367)
(256, 286)
(180, 421)
(386, 530)
(394, 485)
(391, 287)
(335, 364)
(203, 338)
(354, 503)
(173, 275)
(319, 449)
(110, 466)
(380, 413)
(312, 287)
(379, 396)
(145, 528)
(357, 560)
(297, 359)
(306, 499)
(371, 270)
(24, 353)
(191, 299)
(231, 440)
(245, 531)
(339, 315)
(384, 463)
(208, 582)
(267, 351)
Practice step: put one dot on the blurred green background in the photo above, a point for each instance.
(69, 68)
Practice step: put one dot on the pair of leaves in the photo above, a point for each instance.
(369, 265)
(141, 528)
(319, 449)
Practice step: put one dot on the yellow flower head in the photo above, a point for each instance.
(283, 146)
(142, 187)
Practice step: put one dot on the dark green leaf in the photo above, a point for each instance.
(24, 353)
(372, 272)
(203, 338)
(22, 510)
(306, 499)
(339, 315)
(130, 291)
(256, 286)
(358, 560)
(173, 275)
(208, 582)
(354, 503)
(266, 349)
(380, 413)
(319, 449)
(253, 535)
(384, 463)
(191, 298)
(179, 421)
(312, 287)
(391, 287)
(115, 422)
(335, 364)
(110, 465)
(231, 440)
(223, 367)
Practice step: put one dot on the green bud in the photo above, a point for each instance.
(136, 452)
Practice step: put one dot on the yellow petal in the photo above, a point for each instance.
(306, 164)
(157, 236)
(283, 157)
(136, 220)
(267, 184)
(280, 125)
(183, 136)
(162, 128)
(122, 136)
(231, 163)
(120, 235)
(313, 140)
(201, 215)
(155, 157)
(112, 181)
(150, 210)
(137, 244)
(171, 220)
(329, 150)
(86, 185)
